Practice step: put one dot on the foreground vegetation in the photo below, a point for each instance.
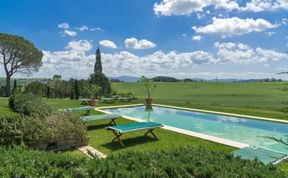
(181, 162)
(258, 99)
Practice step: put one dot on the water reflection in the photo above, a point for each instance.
(148, 109)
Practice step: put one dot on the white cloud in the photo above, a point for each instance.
(187, 7)
(239, 53)
(66, 29)
(196, 38)
(96, 29)
(83, 28)
(265, 5)
(234, 26)
(64, 25)
(75, 62)
(81, 45)
(139, 44)
(108, 44)
(86, 28)
(70, 33)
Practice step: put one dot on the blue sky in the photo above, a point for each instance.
(178, 38)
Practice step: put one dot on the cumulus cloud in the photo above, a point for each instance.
(75, 62)
(239, 53)
(234, 26)
(196, 38)
(70, 33)
(187, 7)
(139, 44)
(66, 29)
(80, 45)
(64, 25)
(108, 44)
(86, 28)
(265, 5)
(83, 28)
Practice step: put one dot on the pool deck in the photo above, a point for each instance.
(182, 131)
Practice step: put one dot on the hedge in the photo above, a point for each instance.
(195, 162)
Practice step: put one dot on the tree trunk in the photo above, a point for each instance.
(8, 87)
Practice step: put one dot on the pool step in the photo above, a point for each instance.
(264, 155)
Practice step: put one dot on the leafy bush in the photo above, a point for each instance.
(182, 162)
(30, 130)
(101, 80)
(29, 104)
(36, 88)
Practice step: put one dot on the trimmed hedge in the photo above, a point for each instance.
(183, 162)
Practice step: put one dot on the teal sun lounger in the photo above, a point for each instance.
(119, 130)
(84, 108)
(113, 117)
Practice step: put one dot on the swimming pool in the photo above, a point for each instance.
(248, 131)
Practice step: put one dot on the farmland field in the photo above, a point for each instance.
(258, 99)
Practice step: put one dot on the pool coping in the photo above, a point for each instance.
(182, 131)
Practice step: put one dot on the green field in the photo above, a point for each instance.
(258, 99)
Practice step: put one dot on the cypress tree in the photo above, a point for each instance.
(98, 64)
(48, 92)
(14, 86)
(77, 92)
(72, 94)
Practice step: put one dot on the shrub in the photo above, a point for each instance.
(11, 130)
(38, 130)
(182, 162)
(36, 88)
(101, 80)
(30, 105)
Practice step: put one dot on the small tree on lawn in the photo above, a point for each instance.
(18, 55)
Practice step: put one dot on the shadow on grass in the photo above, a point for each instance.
(98, 126)
(129, 142)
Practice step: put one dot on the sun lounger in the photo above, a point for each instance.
(119, 130)
(85, 108)
(113, 117)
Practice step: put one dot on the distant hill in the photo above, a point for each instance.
(165, 79)
(126, 78)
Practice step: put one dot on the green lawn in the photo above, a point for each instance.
(258, 99)
(101, 139)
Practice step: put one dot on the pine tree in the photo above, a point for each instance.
(98, 64)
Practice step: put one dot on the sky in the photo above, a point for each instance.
(240, 39)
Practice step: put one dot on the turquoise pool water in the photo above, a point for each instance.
(248, 131)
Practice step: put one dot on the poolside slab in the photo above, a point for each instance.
(86, 149)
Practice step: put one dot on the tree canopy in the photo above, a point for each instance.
(18, 55)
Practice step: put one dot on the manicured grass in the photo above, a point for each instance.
(258, 99)
(100, 139)
(4, 108)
